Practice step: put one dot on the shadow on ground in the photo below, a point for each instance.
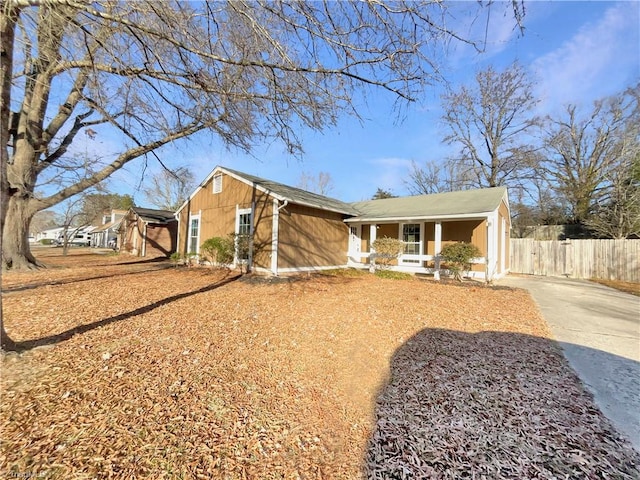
(491, 405)
(86, 278)
(67, 334)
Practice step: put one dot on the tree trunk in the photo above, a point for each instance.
(16, 254)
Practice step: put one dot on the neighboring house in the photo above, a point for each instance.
(50, 233)
(292, 230)
(106, 235)
(75, 235)
(148, 233)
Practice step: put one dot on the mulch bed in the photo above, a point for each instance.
(197, 373)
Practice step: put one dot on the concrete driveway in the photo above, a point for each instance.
(599, 330)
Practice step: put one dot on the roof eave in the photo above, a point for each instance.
(456, 216)
(319, 207)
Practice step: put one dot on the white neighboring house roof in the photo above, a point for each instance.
(107, 226)
(50, 232)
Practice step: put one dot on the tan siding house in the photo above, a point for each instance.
(145, 232)
(292, 230)
(426, 223)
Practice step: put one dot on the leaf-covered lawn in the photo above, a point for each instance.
(143, 372)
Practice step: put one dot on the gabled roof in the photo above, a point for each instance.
(294, 194)
(468, 203)
(282, 192)
(151, 215)
(461, 204)
(104, 227)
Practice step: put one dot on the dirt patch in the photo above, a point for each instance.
(627, 287)
(193, 373)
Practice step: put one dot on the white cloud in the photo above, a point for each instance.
(594, 63)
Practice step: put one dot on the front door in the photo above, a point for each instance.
(354, 242)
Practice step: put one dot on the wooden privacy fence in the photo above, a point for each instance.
(606, 259)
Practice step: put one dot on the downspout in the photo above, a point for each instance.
(177, 217)
(144, 240)
(284, 204)
(275, 226)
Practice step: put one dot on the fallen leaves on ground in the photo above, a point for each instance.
(199, 373)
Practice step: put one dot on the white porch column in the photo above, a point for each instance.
(492, 246)
(144, 241)
(274, 236)
(373, 232)
(438, 247)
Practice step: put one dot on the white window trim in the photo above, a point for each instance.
(193, 216)
(217, 183)
(404, 258)
(244, 211)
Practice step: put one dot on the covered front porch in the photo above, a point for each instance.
(423, 240)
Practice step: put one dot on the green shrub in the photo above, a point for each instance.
(176, 258)
(386, 249)
(458, 257)
(191, 259)
(46, 241)
(219, 250)
(393, 275)
(343, 272)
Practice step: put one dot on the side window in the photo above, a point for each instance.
(194, 235)
(217, 183)
(243, 234)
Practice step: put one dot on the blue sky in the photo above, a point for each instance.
(577, 52)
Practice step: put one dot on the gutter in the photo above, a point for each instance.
(284, 204)
(458, 216)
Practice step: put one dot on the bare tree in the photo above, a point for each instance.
(149, 72)
(320, 183)
(73, 220)
(586, 154)
(434, 177)
(44, 220)
(617, 213)
(168, 189)
(490, 121)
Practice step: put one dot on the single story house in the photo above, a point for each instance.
(292, 230)
(146, 232)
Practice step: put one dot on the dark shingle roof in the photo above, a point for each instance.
(154, 216)
(297, 195)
